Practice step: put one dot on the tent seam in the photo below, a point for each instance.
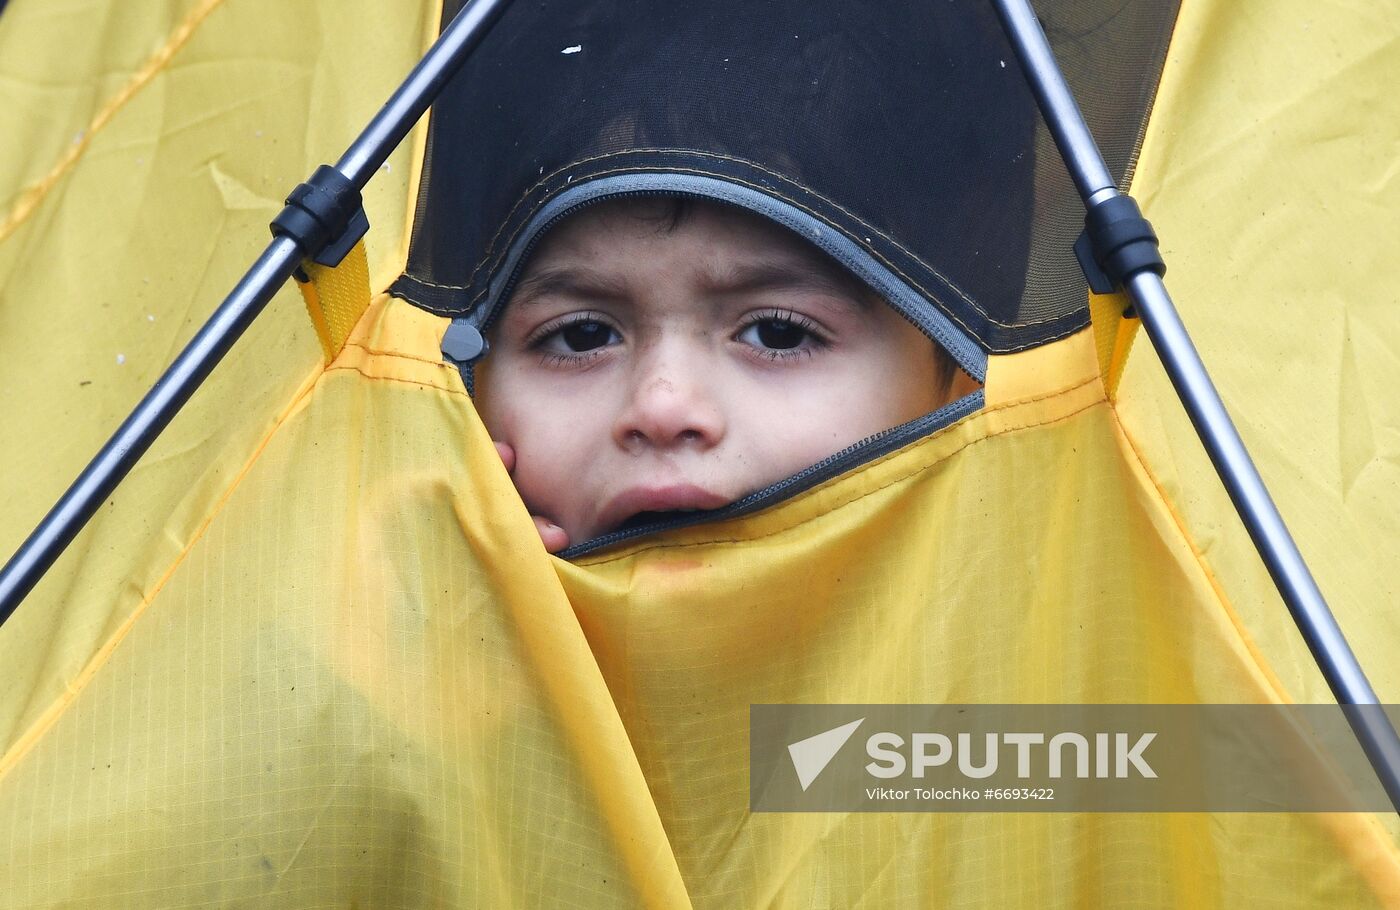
(30, 199)
(412, 382)
(31, 737)
(398, 355)
(774, 193)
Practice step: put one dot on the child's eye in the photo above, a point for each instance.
(577, 336)
(777, 335)
(586, 335)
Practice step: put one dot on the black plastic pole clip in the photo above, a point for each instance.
(1117, 243)
(324, 215)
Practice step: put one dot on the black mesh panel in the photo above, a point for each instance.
(906, 127)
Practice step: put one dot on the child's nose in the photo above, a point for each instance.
(669, 406)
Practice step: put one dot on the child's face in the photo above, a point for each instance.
(646, 366)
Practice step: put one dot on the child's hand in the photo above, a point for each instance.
(555, 538)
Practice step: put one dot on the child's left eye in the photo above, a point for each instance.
(781, 335)
(776, 333)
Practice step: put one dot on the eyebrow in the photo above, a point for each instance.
(568, 281)
(584, 283)
(756, 277)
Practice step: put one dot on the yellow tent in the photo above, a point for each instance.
(312, 653)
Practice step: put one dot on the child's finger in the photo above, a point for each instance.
(555, 538)
(507, 453)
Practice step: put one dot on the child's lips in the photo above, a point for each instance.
(668, 498)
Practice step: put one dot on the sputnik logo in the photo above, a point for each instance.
(810, 756)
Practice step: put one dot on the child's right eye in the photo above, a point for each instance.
(585, 336)
(576, 337)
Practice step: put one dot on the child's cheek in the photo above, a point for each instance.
(547, 472)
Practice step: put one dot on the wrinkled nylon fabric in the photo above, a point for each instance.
(392, 694)
(1276, 204)
(196, 119)
(322, 660)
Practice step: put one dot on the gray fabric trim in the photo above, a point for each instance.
(913, 305)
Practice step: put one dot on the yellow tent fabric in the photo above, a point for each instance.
(314, 655)
(1270, 172)
(142, 164)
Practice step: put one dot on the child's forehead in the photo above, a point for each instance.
(725, 249)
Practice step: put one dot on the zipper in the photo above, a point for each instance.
(866, 450)
(498, 303)
(499, 299)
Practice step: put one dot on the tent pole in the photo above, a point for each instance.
(1207, 412)
(277, 263)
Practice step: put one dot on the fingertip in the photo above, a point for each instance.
(554, 537)
(507, 453)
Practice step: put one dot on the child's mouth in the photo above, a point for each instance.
(642, 519)
(646, 505)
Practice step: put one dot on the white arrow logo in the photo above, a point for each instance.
(810, 756)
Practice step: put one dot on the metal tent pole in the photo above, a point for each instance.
(324, 223)
(1188, 375)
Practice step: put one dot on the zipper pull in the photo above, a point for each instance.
(462, 343)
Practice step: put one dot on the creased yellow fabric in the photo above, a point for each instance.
(365, 681)
(1271, 172)
(196, 120)
(315, 655)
